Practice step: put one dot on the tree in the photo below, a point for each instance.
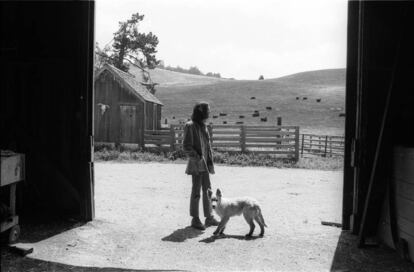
(261, 77)
(131, 46)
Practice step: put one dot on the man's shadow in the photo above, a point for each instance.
(180, 235)
(213, 238)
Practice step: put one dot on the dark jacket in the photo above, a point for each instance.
(192, 148)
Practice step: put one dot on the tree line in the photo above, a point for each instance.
(193, 70)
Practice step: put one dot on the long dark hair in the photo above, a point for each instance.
(200, 113)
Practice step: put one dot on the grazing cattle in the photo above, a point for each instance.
(268, 108)
(224, 122)
(264, 119)
(342, 115)
(318, 100)
(239, 122)
(173, 117)
(241, 116)
(215, 116)
(253, 97)
(222, 114)
(256, 114)
(297, 97)
(305, 98)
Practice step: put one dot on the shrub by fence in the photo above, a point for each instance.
(322, 145)
(282, 141)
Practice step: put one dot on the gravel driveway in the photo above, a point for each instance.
(142, 221)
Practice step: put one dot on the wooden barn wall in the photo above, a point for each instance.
(402, 140)
(403, 182)
(149, 115)
(46, 102)
(110, 91)
(384, 69)
(159, 109)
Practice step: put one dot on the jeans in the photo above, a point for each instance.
(201, 181)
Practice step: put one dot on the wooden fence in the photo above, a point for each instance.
(321, 145)
(277, 140)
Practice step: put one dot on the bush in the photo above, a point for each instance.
(234, 158)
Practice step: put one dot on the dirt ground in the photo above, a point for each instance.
(142, 223)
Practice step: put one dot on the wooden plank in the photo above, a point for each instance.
(215, 144)
(404, 164)
(231, 138)
(405, 208)
(404, 189)
(267, 140)
(269, 132)
(226, 132)
(273, 152)
(271, 145)
(163, 132)
(156, 137)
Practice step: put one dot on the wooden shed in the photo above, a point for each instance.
(124, 107)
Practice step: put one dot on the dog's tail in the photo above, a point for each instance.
(261, 217)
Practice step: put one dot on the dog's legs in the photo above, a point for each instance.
(259, 221)
(221, 226)
(249, 221)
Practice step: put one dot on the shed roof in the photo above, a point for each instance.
(132, 83)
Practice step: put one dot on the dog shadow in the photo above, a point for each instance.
(180, 235)
(213, 238)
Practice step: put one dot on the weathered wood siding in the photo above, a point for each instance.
(108, 126)
(149, 116)
(158, 119)
(403, 178)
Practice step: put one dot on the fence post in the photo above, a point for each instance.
(210, 131)
(172, 135)
(303, 142)
(297, 143)
(326, 144)
(243, 138)
(279, 123)
(330, 147)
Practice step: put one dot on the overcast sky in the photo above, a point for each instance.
(237, 38)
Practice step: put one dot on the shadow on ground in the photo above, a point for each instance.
(181, 235)
(38, 227)
(213, 238)
(348, 257)
(11, 262)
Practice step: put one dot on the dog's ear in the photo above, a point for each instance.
(218, 193)
(209, 193)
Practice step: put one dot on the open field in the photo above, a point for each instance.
(233, 97)
(142, 223)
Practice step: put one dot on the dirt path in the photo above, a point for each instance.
(142, 221)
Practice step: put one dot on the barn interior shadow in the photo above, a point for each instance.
(13, 262)
(348, 257)
(40, 226)
(180, 235)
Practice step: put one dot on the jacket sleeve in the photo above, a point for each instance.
(188, 143)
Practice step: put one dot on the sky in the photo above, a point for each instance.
(240, 39)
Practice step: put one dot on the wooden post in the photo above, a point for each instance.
(297, 143)
(243, 138)
(303, 142)
(172, 135)
(310, 144)
(279, 123)
(210, 131)
(330, 147)
(166, 121)
(326, 144)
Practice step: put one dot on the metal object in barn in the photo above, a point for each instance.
(12, 172)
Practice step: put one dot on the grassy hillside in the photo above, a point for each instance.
(233, 97)
(170, 78)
